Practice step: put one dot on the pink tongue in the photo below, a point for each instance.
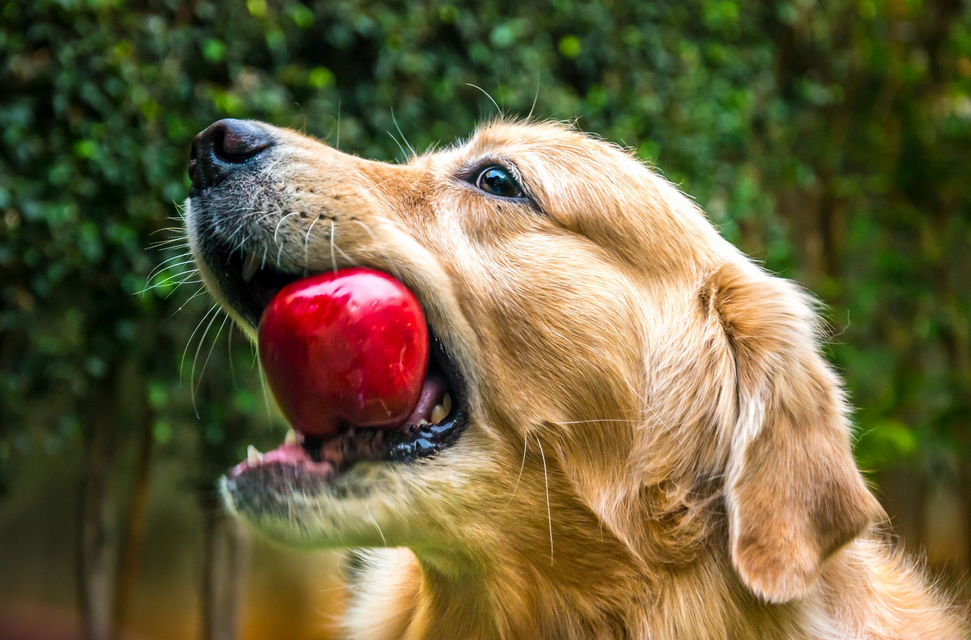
(286, 453)
(432, 393)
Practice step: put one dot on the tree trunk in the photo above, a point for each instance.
(222, 569)
(96, 550)
(134, 524)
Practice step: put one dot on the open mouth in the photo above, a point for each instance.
(249, 284)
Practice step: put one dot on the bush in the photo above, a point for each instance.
(828, 139)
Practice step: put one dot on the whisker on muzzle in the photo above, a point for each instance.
(391, 264)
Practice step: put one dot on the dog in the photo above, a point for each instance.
(644, 439)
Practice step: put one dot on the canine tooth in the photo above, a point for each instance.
(291, 437)
(438, 414)
(253, 456)
(447, 403)
(250, 266)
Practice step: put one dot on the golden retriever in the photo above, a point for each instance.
(645, 441)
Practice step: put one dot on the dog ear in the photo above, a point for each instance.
(793, 492)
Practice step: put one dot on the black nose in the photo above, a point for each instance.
(222, 147)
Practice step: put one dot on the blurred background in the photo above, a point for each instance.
(831, 140)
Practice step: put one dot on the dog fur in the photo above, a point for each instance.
(656, 447)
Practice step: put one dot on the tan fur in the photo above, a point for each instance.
(657, 448)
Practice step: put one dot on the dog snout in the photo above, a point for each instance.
(222, 148)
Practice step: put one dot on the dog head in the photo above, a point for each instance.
(618, 372)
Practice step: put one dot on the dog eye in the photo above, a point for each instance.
(498, 181)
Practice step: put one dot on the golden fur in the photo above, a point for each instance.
(657, 449)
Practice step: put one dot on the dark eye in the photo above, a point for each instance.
(499, 182)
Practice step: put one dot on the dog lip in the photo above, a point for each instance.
(328, 458)
(289, 453)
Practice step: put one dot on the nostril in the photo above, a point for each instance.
(194, 159)
(236, 141)
(219, 150)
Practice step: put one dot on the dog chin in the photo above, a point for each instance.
(319, 508)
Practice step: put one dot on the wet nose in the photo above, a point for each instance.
(222, 148)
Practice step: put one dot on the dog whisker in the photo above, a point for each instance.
(549, 514)
(266, 393)
(176, 230)
(169, 277)
(410, 148)
(333, 241)
(340, 588)
(277, 229)
(594, 421)
(189, 275)
(399, 146)
(192, 335)
(185, 275)
(520, 476)
(495, 104)
(163, 268)
(240, 246)
(195, 361)
(160, 266)
(349, 259)
(197, 293)
(376, 525)
(391, 265)
(171, 241)
(209, 355)
(229, 355)
(306, 241)
(535, 98)
(188, 280)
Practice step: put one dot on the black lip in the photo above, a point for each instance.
(428, 440)
(352, 445)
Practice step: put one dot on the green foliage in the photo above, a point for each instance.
(828, 139)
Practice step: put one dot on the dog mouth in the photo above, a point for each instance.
(248, 284)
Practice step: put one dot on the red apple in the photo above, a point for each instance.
(349, 347)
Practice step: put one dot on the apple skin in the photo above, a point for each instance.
(349, 347)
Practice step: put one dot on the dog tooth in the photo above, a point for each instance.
(291, 437)
(250, 266)
(447, 403)
(253, 456)
(438, 414)
(422, 422)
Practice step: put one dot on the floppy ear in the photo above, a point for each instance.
(793, 493)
